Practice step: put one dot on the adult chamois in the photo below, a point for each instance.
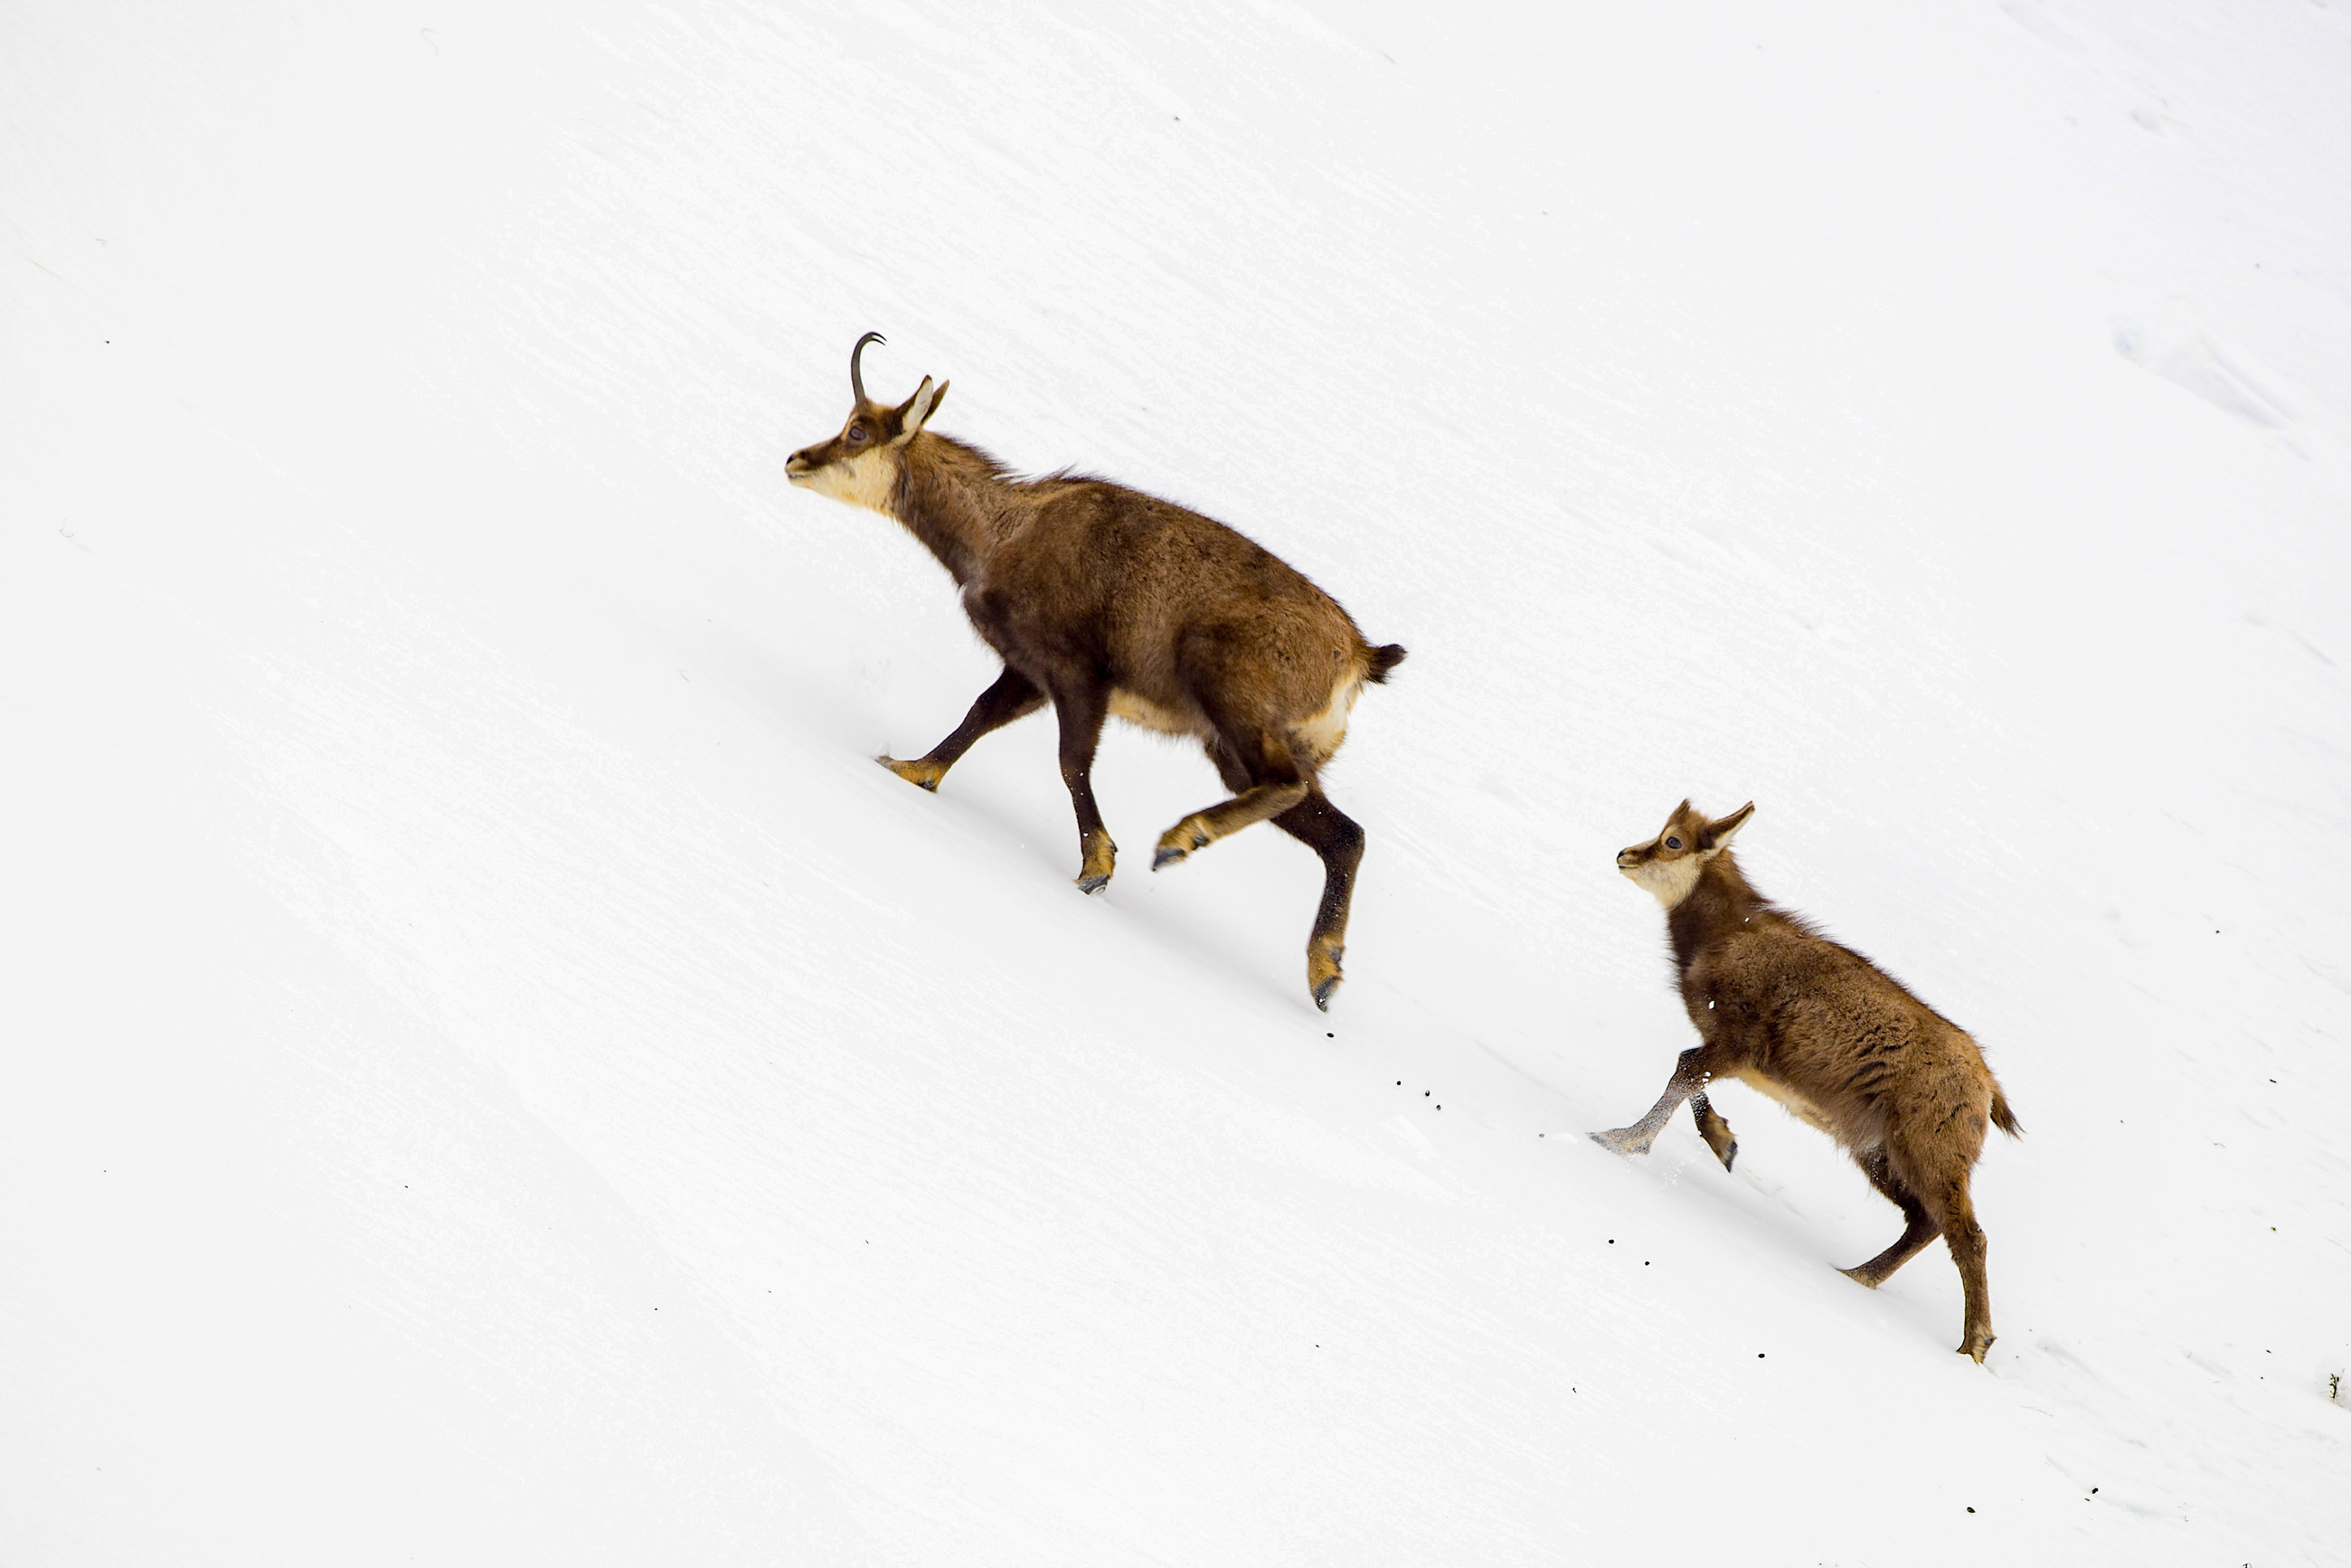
(1105, 601)
(1831, 1036)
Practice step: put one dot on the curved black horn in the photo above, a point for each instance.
(856, 381)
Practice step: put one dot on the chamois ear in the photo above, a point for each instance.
(918, 409)
(1718, 834)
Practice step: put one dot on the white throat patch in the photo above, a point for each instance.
(1669, 881)
(866, 480)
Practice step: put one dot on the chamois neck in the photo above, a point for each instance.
(1719, 903)
(943, 499)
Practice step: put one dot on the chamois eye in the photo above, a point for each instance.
(1673, 843)
(856, 432)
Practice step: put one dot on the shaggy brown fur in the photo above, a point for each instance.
(1105, 601)
(1837, 1040)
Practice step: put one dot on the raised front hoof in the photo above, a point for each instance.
(920, 774)
(1976, 1346)
(1727, 1153)
(1179, 841)
(1322, 976)
(1623, 1140)
(1102, 856)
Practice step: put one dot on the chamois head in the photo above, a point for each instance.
(860, 465)
(1669, 864)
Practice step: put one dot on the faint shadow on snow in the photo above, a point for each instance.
(2187, 355)
(2035, 17)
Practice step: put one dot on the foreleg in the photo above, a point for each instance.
(1691, 1073)
(1081, 711)
(1014, 695)
(1713, 1129)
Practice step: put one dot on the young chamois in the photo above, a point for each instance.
(1104, 601)
(1832, 1037)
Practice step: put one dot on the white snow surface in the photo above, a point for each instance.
(494, 1074)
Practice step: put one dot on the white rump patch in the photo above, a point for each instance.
(1319, 736)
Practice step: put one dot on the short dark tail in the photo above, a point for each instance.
(2003, 1117)
(1384, 660)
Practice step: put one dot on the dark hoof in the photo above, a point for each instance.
(1322, 975)
(1191, 833)
(1729, 1154)
(1094, 883)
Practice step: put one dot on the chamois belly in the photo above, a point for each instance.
(1797, 1105)
(1315, 737)
(1148, 715)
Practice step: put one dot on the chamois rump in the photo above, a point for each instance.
(1838, 1042)
(1108, 602)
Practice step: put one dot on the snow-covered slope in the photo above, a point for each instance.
(493, 1073)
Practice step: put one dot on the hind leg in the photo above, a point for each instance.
(1276, 784)
(1919, 1228)
(1329, 834)
(1967, 1242)
(1335, 836)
